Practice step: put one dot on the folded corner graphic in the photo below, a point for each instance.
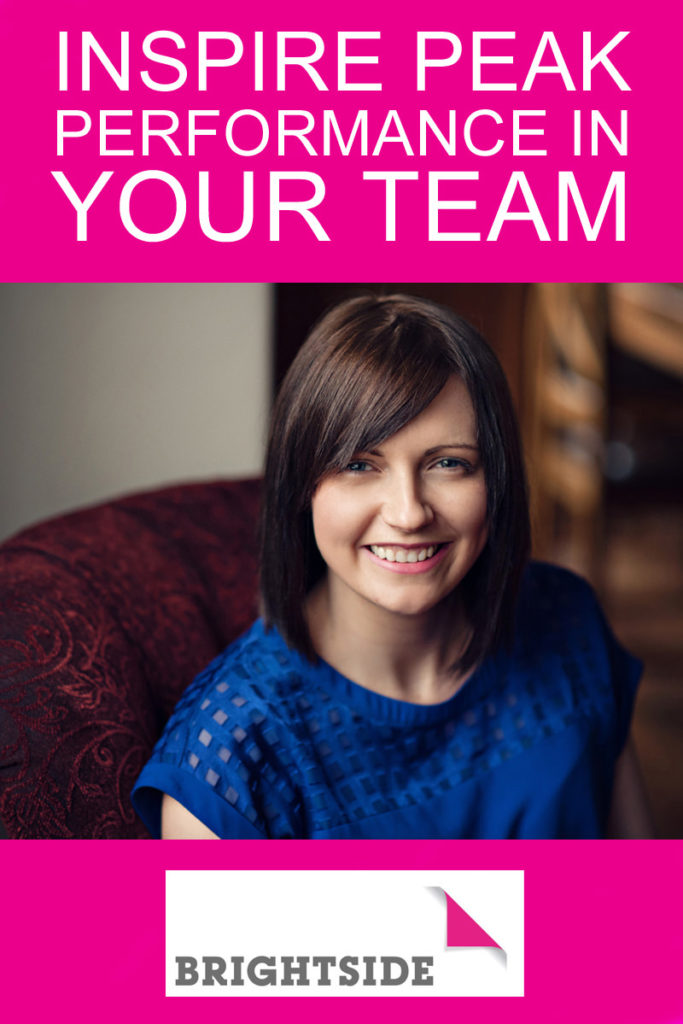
(463, 930)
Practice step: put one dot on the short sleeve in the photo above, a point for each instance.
(605, 676)
(214, 812)
(221, 757)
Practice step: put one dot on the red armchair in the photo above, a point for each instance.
(106, 614)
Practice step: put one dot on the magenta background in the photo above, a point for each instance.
(83, 923)
(83, 929)
(39, 223)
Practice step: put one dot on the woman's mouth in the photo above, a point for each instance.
(400, 558)
(399, 554)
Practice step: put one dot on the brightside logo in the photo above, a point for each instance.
(344, 933)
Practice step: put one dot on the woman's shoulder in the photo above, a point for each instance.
(239, 707)
(255, 671)
(554, 582)
(556, 601)
(219, 748)
(560, 627)
(563, 636)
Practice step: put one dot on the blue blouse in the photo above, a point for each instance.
(266, 745)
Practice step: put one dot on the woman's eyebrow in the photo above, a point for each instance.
(430, 451)
(453, 444)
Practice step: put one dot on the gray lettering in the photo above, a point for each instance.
(394, 961)
(299, 970)
(347, 965)
(421, 966)
(237, 962)
(187, 970)
(214, 970)
(324, 963)
(369, 962)
(268, 977)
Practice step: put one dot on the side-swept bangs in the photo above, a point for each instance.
(368, 368)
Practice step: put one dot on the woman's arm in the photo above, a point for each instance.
(630, 814)
(178, 823)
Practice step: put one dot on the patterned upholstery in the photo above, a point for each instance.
(106, 615)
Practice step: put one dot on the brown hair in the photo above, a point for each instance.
(367, 368)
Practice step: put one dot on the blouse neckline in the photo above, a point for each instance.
(377, 706)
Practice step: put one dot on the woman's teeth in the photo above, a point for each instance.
(404, 554)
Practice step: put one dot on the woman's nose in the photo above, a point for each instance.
(405, 507)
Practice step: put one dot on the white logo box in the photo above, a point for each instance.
(228, 919)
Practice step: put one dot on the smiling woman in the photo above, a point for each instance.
(412, 675)
(399, 528)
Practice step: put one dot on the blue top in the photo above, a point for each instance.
(266, 745)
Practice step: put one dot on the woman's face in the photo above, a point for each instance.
(401, 525)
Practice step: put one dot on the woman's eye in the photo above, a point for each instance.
(450, 463)
(358, 466)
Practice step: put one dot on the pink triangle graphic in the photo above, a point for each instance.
(462, 930)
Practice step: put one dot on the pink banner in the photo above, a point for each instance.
(178, 142)
(84, 928)
(166, 142)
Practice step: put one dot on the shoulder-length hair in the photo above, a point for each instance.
(368, 368)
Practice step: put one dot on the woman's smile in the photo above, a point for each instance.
(414, 558)
(401, 525)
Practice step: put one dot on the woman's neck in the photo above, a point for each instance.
(407, 657)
